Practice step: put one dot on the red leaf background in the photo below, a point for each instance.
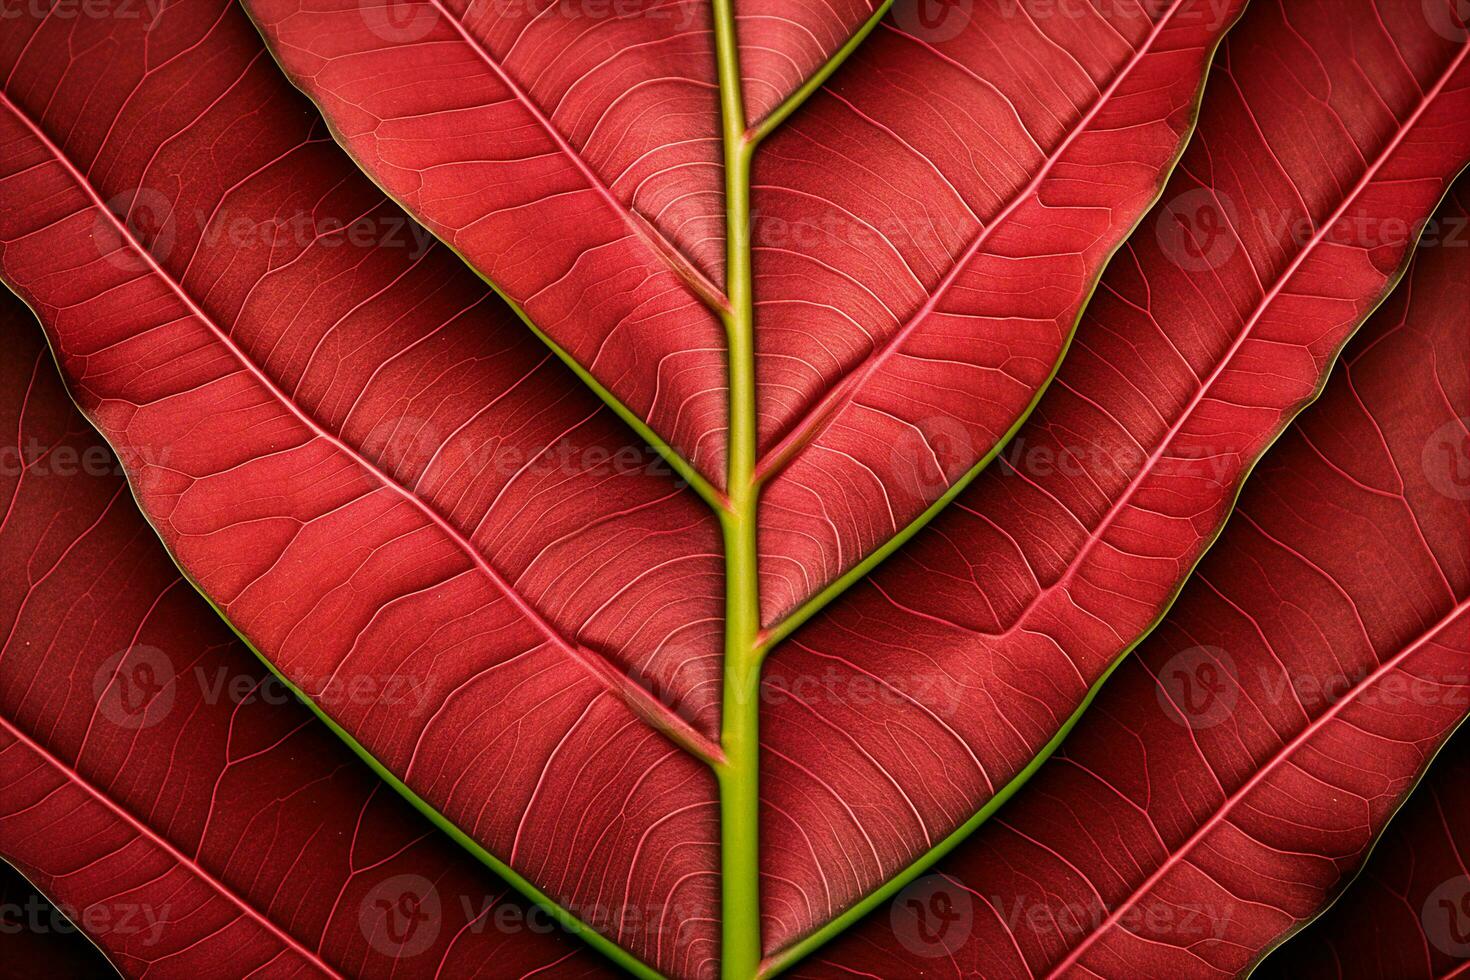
(497, 563)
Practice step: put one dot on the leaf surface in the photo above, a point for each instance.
(933, 686)
(902, 262)
(160, 785)
(367, 465)
(1237, 768)
(377, 475)
(1405, 916)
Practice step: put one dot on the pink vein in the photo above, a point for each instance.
(1282, 756)
(634, 696)
(153, 837)
(815, 421)
(708, 293)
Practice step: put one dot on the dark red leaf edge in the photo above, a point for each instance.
(37, 938)
(1406, 915)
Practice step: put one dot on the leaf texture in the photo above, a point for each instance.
(931, 688)
(1236, 770)
(927, 232)
(923, 233)
(1405, 916)
(372, 472)
(192, 816)
(527, 118)
(376, 474)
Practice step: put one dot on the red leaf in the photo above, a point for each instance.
(563, 620)
(921, 237)
(1238, 767)
(1407, 916)
(334, 427)
(983, 638)
(190, 816)
(928, 231)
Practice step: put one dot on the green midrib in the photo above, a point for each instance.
(738, 775)
(746, 644)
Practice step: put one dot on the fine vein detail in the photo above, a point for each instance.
(638, 700)
(702, 289)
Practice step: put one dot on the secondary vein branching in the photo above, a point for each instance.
(745, 647)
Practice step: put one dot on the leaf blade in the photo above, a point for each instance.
(1154, 107)
(403, 357)
(161, 875)
(1400, 916)
(1076, 545)
(1331, 680)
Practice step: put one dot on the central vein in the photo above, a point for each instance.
(739, 773)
